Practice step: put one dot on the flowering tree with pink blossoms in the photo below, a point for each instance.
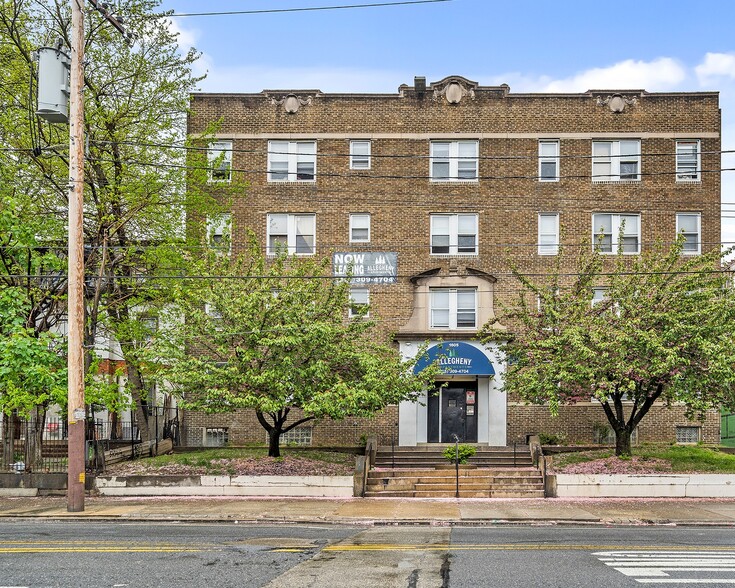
(626, 330)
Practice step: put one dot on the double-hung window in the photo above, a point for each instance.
(548, 161)
(291, 161)
(359, 228)
(608, 229)
(688, 161)
(219, 230)
(219, 158)
(616, 161)
(548, 233)
(453, 308)
(454, 161)
(295, 233)
(359, 154)
(689, 225)
(454, 234)
(359, 302)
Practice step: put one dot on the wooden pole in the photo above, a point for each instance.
(76, 412)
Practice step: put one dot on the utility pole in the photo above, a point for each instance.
(75, 312)
(75, 360)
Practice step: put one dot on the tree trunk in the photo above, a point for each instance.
(622, 442)
(7, 453)
(274, 440)
(135, 386)
(34, 439)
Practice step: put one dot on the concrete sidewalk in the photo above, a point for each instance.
(385, 511)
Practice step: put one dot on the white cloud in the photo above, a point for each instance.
(660, 74)
(186, 37)
(715, 65)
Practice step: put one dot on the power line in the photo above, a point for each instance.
(307, 9)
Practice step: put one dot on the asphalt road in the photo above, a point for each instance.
(40, 553)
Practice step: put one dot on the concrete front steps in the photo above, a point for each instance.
(430, 455)
(517, 482)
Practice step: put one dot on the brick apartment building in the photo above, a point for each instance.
(430, 192)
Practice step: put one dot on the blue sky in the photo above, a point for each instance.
(532, 45)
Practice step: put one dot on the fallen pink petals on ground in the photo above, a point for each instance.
(265, 466)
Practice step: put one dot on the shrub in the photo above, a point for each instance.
(464, 451)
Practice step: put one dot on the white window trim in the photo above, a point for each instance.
(615, 232)
(546, 248)
(292, 159)
(698, 173)
(699, 231)
(353, 303)
(454, 161)
(454, 234)
(354, 155)
(615, 159)
(369, 223)
(453, 308)
(548, 158)
(214, 151)
(290, 234)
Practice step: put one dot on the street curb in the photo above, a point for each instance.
(182, 519)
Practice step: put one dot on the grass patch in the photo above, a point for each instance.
(216, 460)
(683, 458)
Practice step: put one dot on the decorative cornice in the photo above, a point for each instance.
(291, 102)
(617, 102)
(453, 89)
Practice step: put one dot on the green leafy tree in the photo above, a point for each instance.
(32, 374)
(136, 99)
(273, 335)
(662, 333)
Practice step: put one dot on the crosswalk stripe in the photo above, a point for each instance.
(651, 567)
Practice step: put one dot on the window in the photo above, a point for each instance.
(295, 233)
(689, 224)
(614, 161)
(291, 161)
(219, 230)
(598, 295)
(359, 154)
(453, 161)
(297, 436)
(219, 157)
(454, 234)
(548, 233)
(687, 434)
(548, 161)
(606, 229)
(359, 302)
(453, 308)
(359, 228)
(688, 162)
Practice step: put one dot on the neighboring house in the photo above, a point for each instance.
(427, 195)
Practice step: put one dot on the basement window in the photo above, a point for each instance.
(687, 435)
(297, 436)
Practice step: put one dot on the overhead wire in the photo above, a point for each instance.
(306, 8)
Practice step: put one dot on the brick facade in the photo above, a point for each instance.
(400, 196)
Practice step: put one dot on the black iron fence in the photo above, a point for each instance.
(40, 445)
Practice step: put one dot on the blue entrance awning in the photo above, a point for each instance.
(456, 358)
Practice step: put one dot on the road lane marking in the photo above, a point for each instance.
(667, 567)
(514, 547)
